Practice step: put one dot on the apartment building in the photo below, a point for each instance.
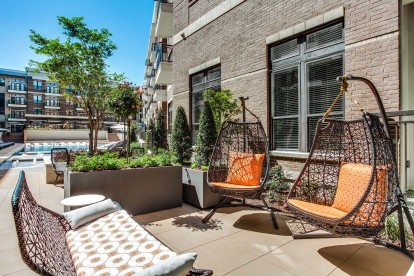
(30, 100)
(285, 56)
(157, 86)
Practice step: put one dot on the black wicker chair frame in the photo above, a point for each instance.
(240, 137)
(366, 141)
(59, 155)
(42, 235)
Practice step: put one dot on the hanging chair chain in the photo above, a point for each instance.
(344, 89)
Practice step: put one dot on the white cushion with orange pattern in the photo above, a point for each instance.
(114, 245)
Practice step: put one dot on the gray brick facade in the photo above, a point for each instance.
(238, 37)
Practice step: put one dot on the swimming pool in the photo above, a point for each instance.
(46, 147)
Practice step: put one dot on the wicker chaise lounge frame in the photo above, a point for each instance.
(365, 141)
(239, 137)
(42, 235)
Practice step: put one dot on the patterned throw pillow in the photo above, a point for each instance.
(245, 169)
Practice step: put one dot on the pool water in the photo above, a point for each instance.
(46, 147)
(8, 164)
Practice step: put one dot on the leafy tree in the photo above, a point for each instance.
(206, 138)
(181, 143)
(160, 132)
(222, 104)
(125, 101)
(79, 62)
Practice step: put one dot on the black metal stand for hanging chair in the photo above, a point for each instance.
(238, 138)
(339, 147)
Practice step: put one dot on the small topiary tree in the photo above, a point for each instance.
(181, 137)
(134, 129)
(160, 132)
(149, 135)
(206, 138)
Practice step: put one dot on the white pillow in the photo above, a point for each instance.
(176, 266)
(89, 213)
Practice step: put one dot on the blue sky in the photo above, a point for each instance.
(129, 22)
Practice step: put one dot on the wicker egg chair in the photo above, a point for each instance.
(239, 163)
(349, 183)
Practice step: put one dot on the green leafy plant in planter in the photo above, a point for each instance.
(277, 184)
(181, 142)
(82, 162)
(222, 104)
(392, 230)
(98, 162)
(160, 132)
(206, 138)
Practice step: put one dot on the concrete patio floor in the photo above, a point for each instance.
(237, 241)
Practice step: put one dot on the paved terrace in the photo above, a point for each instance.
(238, 241)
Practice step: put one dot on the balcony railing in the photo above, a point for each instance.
(52, 90)
(160, 87)
(52, 104)
(17, 86)
(148, 62)
(154, 46)
(164, 53)
(20, 101)
(16, 116)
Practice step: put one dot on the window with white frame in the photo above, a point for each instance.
(303, 85)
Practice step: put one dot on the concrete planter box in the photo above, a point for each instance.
(139, 191)
(196, 191)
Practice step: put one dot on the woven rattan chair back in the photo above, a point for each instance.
(238, 137)
(367, 141)
(337, 142)
(41, 234)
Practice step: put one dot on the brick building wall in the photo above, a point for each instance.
(238, 37)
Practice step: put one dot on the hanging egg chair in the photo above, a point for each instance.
(349, 183)
(239, 163)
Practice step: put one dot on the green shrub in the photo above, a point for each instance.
(206, 137)
(83, 162)
(134, 137)
(163, 158)
(98, 162)
(277, 183)
(181, 143)
(392, 230)
(149, 135)
(160, 132)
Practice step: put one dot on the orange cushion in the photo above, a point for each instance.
(352, 184)
(229, 185)
(318, 210)
(245, 169)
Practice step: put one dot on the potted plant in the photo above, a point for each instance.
(195, 188)
(125, 101)
(142, 185)
(277, 185)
